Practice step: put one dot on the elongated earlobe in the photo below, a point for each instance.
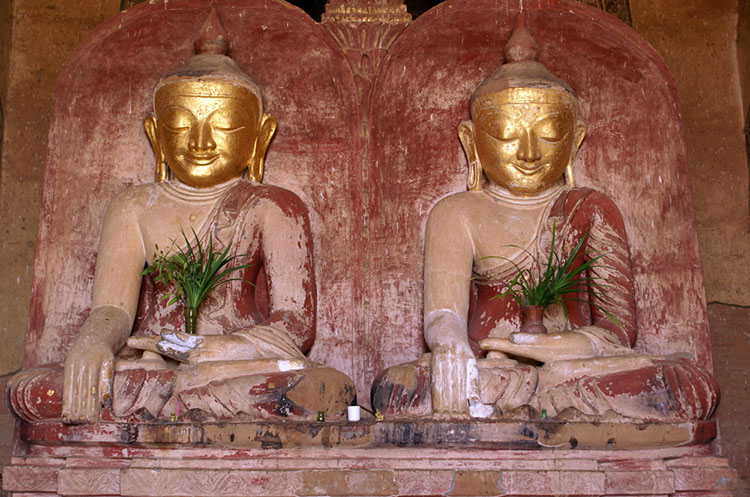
(161, 171)
(569, 178)
(466, 136)
(266, 131)
(580, 135)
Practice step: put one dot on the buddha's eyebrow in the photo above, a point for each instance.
(490, 117)
(546, 118)
(494, 112)
(178, 107)
(556, 113)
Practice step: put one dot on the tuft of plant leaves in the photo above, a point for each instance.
(556, 281)
(193, 271)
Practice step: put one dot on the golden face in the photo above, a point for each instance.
(524, 138)
(207, 132)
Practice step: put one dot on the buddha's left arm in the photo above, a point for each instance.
(595, 214)
(288, 263)
(280, 221)
(607, 238)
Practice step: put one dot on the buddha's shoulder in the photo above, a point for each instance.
(265, 191)
(575, 198)
(462, 204)
(267, 200)
(135, 196)
(255, 195)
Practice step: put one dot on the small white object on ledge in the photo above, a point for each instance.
(353, 413)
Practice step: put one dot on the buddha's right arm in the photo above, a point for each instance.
(449, 257)
(89, 366)
(107, 324)
(448, 263)
(120, 259)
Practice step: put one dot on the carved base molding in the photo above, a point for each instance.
(102, 471)
(390, 458)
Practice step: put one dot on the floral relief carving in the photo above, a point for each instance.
(364, 31)
(209, 482)
(90, 481)
(38, 479)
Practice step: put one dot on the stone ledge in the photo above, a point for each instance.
(519, 435)
(86, 469)
(144, 477)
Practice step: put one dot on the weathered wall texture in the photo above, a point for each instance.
(5, 33)
(43, 34)
(706, 45)
(730, 336)
(36, 36)
(6, 420)
(698, 42)
(730, 325)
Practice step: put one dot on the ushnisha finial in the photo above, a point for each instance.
(521, 45)
(213, 38)
(211, 62)
(521, 68)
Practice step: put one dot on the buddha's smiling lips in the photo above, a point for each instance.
(201, 160)
(528, 170)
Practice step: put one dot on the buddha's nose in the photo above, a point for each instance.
(528, 148)
(201, 139)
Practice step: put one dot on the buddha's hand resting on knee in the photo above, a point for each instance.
(449, 380)
(445, 334)
(87, 380)
(545, 347)
(90, 364)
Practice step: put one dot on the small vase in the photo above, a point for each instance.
(191, 316)
(532, 319)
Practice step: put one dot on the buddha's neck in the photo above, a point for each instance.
(531, 200)
(191, 194)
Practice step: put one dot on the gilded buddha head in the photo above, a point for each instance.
(525, 129)
(208, 124)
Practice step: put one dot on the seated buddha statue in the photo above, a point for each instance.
(209, 136)
(520, 143)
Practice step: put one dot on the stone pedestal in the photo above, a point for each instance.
(370, 458)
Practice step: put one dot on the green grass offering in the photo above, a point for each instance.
(557, 280)
(194, 271)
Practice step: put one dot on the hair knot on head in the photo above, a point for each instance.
(521, 68)
(521, 46)
(211, 64)
(212, 38)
